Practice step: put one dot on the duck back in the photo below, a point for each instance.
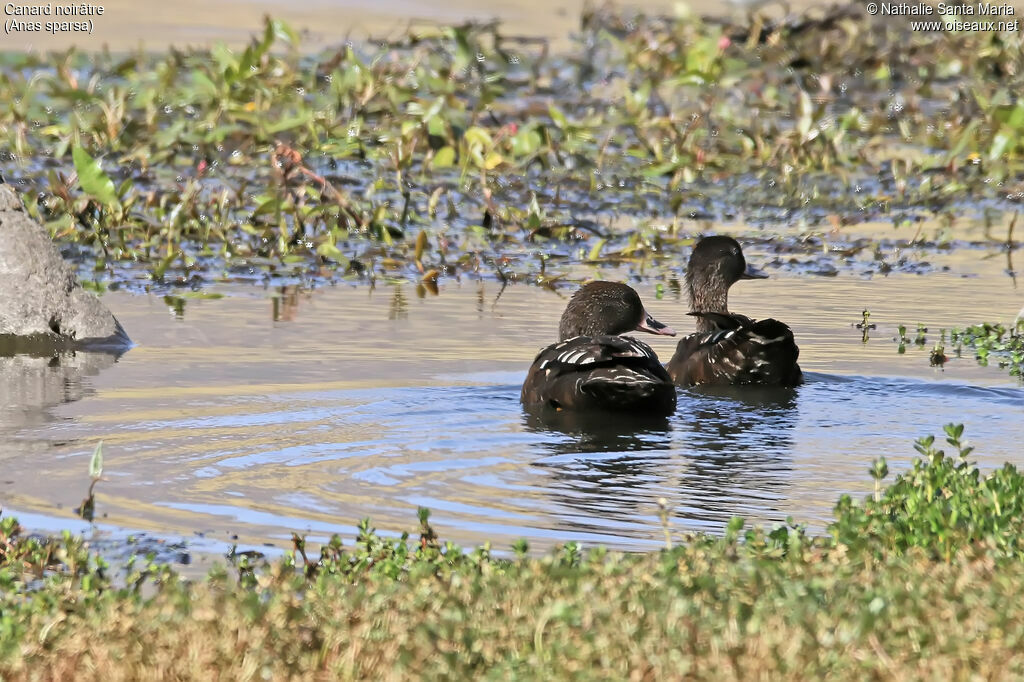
(738, 351)
(612, 373)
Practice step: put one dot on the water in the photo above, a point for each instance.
(273, 411)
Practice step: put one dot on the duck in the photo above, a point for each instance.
(593, 367)
(727, 348)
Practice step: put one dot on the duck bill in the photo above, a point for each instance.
(753, 273)
(652, 326)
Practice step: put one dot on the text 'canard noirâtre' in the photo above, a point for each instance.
(53, 10)
(53, 17)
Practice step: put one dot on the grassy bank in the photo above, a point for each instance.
(921, 579)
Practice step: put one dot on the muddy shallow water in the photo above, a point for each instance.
(277, 410)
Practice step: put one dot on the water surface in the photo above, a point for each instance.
(279, 410)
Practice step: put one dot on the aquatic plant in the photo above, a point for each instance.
(996, 343)
(937, 357)
(865, 326)
(88, 507)
(1003, 344)
(182, 168)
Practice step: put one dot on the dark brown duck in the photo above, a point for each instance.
(729, 348)
(592, 367)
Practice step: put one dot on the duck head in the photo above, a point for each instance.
(715, 265)
(600, 308)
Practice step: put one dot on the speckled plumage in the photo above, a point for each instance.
(738, 351)
(592, 367)
(728, 348)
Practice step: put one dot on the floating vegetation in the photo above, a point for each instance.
(920, 338)
(998, 344)
(178, 169)
(1002, 345)
(864, 325)
(937, 358)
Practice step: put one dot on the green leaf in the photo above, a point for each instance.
(477, 137)
(660, 169)
(227, 61)
(330, 250)
(527, 141)
(96, 463)
(421, 245)
(444, 158)
(435, 124)
(202, 295)
(161, 267)
(493, 160)
(284, 32)
(557, 117)
(203, 85)
(291, 122)
(92, 179)
(1000, 143)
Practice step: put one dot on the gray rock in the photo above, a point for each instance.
(42, 305)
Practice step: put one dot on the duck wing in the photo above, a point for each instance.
(738, 351)
(617, 373)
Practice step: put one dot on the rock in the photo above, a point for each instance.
(42, 305)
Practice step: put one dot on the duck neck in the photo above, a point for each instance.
(709, 293)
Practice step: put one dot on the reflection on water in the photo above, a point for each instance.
(599, 468)
(724, 446)
(742, 440)
(575, 433)
(29, 384)
(728, 420)
(253, 417)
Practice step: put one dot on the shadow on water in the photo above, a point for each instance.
(731, 420)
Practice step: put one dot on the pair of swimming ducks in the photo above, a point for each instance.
(592, 367)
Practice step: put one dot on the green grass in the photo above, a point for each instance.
(920, 580)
